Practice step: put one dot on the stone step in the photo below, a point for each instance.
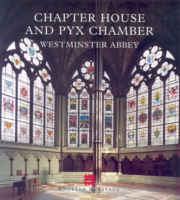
(78, 177)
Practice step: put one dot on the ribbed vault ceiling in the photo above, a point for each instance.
(15, 16)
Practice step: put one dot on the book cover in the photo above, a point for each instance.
(76, 73)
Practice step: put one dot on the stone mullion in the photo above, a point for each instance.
(38, 161)
(117, 129)
(149, 115)
(44, 110)
(164, 109)
(90, 130)
(78, 120)
(31, 113)
(25, 160)
(49, 166)
(137, 104)
(59, 165)
(103, 135)
(16, 110)
(11, 160)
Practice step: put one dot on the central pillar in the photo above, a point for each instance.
(61, 123)
(97, 143)
(98, 7)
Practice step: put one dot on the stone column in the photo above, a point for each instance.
(122, 121)
(57, 120)
(120, 113)
(59, 165)
(38, 160)
(11, 160)
(25, 160)
(49, 166)
(61, 123)
(97, 143)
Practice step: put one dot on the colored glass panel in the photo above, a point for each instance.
(131, 119)
(157, 112)
(38, 112)
(172, 110)
(84, 118)
(73, 107)
(142, 115)
(49, 115)
(108, 119)
(8, 104)
(23, 107)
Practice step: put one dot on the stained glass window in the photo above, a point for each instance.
(73, 110)
(22, 121)
(157, 112)
(49, 115)
(108, 119)
(154, 92)
(38, 112)
(8, 103)
(131, 118)
(31, 51)
(84, 119)
(15, 59)
(23, 107)
(81, 109)
(142, 115)
(150, 58)
(88, 70)
(172, 109)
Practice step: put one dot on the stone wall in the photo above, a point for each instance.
(17, 162)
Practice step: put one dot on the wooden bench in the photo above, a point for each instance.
(26, 184)
(36, 183)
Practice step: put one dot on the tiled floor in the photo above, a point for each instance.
(80, 192)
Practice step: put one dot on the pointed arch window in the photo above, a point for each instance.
(142, 124)
(73, 110)
(27, 95)
(157, 112)
(81, 108)
(152, 113)
(38, 112)
(23, 107)
(131, 118)
(49, 110)
(172, 109)
(108, 119)
(8, 110)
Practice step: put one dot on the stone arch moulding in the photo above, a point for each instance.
(86, 156)
(26, 153)
(109, 156)
(66, 155)
(152, 155)
(9, 152)
(104, 156)
(79, 155)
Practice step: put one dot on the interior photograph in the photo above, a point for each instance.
(90, 87)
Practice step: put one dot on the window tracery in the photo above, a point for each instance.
(81, 105)
(153, 100)
(22, 83)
